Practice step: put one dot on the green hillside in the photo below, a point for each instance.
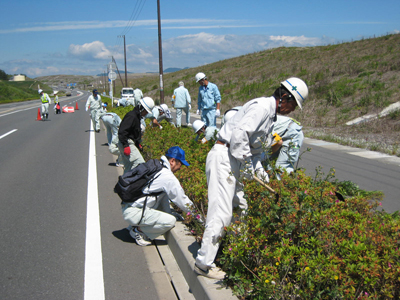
(11, 91)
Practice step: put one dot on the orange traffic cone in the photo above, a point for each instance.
(39, 117)
(76, 106)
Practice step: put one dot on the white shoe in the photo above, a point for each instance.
(189, 124)
(214, 273)
(118, 164)
(140, 238)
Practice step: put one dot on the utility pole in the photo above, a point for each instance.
(160, 54)
(126, 76)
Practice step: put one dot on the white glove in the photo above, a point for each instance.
(86, 108)
(190, 106)
(261, 174)
(160, 127)
(198, 112)
(217, 113)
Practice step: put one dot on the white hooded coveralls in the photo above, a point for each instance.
(245, 134)
(95, 106)
(157, 218)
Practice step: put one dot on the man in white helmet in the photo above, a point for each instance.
(44, 97)
(200, 128)
(208, 100)
(229, 114)
(240, 146)
(95, 104)
(130, 134)
(182, 102)
(160, 113)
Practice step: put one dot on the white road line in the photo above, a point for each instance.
(94, 281)
(4, 135)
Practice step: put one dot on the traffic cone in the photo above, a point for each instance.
(39, 117)
(76, 106)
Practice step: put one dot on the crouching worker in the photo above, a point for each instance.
(151, 216)
(209, 132)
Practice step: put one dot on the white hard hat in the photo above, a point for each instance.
(55, 92)
(40, 91)
(230, 113)
(298, 88)
(197, 125)
(147, 103)
(115, 101)
(200, 76)
(167, 112)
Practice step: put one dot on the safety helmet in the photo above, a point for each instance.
(147, 103)
(197, 125)
(40, 91)
(297, 88)
(230, 113)
(55, 92)
(167, 112)
(200, 76)
(115, 101)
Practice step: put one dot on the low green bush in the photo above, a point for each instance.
(308, 244)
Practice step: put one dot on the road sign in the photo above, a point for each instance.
(68, 109)
(112, 75)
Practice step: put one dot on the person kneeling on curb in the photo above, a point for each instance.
(153, 217)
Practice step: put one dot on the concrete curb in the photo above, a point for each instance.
(184, 248)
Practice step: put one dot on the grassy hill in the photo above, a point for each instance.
(346, 81)
(11, 91)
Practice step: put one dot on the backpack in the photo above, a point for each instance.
(131, 184)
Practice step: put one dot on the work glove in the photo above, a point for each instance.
(127, 151)
(217, 113)
(198, 112)
(190, 106)
(160, 127)
(262, 174)
(276, 140)
(140, 148)
(86, 108)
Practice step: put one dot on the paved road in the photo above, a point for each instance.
(46, 252)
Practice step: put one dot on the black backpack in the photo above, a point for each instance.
(131, 184)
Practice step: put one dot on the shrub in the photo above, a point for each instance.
(311, 243)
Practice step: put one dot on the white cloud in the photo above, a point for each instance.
(93, 50)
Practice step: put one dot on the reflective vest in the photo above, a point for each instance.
(44, 98)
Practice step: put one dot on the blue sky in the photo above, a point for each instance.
(79, 37)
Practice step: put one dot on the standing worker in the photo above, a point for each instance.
(182, 101)
(94, 101)
(151, 215)
(208, 101)
(57, 107)
(45, 104)
(130, 134)
(199, 127)
(137, 95)
(239, 146)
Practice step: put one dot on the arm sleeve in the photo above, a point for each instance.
(168, 183)
(217, 95)
(199, 101)
(123, 132)
(188, 99)
(87, 103)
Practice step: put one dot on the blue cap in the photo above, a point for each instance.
(95, 91)
(177, 153)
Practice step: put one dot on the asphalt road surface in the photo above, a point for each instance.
(54, 244)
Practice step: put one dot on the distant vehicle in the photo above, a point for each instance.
(127, 93)
(68, 93)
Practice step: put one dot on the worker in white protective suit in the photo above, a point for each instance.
(200, 128)
(46, 101)
(288, 139)
(208, 100)
(229, 114)
(95, 104)
(130, 134)
(137, 95)
(151, 216)
(111, 121)
(160, 113)
(239, 146)
(182, 102)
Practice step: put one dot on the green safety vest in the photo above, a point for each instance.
(44, 98)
